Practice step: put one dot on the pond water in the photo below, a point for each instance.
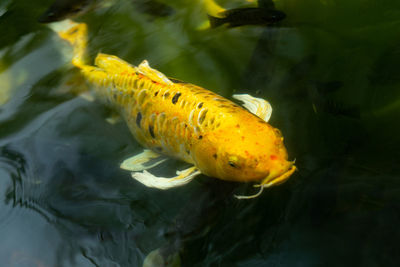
(331, 71)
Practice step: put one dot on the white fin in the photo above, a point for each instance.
(153, 74)
(163, 183)
(258, 106)
(142, 161)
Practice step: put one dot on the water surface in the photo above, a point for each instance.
(331, 73)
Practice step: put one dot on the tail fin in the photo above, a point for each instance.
(76, 35)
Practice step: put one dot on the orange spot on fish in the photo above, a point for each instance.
(273, 157)
(242, 138)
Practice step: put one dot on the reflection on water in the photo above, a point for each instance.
(331, 76)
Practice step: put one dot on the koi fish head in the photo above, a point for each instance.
(245, 154)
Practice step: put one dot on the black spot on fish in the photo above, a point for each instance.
(176, 97)
(151, 131)
(156, 93)
(232, 164)
(200, 137)
(220, 100)
(215, 156)
(166, 94)
(188, 152)
(138, 119)
(200, 105)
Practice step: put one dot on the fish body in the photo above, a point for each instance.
(188, 122)
(246, 16)
(185, 121)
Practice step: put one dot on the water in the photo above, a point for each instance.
(331, 74)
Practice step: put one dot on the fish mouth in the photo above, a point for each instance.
(272, 179)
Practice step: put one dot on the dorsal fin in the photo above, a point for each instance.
(258, 106)
(113, 64)
(153, 74)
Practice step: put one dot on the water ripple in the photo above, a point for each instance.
(11, 170)
(20, 190)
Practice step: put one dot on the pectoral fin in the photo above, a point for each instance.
(182, 178)
(143, 161)
(258, 106)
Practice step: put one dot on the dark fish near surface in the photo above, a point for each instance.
(322, 102)
(62, 9)
(247, 16)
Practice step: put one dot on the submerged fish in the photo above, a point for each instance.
(263, 15)
(63, 9)
(246, 16)
(184, 121)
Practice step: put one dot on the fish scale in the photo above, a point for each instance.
(183, 119)
(194, 113)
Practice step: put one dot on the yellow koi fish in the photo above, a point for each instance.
(184, 121)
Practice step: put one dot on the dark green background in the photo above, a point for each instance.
(331, 72)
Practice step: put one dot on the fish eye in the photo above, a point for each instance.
(233, 161)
